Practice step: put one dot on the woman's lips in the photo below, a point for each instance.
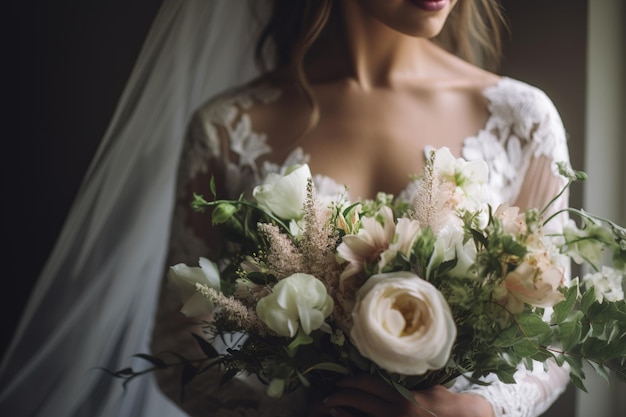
(431, 5)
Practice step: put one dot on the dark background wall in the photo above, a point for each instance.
(71, 59)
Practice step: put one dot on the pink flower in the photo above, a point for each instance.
(535, 281)
(512, 221)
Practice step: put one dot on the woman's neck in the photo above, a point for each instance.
(360, 48)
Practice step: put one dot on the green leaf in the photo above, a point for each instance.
(601, 370)
(328, 366)
(578, 382)
(257, 277)
(596, 329)
(563, 309)
(212, 186)
(606, 351)
(589, 297)
(569, 332)
(206, 347)
(479, 237)
(303, 380)
(509, 337)
(526, 348)
(576, 374)
(542, 355)
(446, 266)
(125, 372)
(533, 326)
(159, 363)
(506, 376)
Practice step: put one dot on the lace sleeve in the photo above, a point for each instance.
(523, 141)
(212, 134)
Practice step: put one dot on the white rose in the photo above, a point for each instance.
(185, 278)
(300, 300)
(403, 324)
(284, 195)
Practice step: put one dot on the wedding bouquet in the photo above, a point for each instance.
(418, 290)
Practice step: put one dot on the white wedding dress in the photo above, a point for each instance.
(521, 142)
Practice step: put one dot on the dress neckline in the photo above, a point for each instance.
(522, 123)
(327, 185)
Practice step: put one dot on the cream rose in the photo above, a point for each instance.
(284, 195)
(300, 300)
(403, 324)
(185, 278)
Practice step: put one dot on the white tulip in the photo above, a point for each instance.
(185, 278)
(284, 195)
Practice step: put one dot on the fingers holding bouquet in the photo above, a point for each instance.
(366, 395)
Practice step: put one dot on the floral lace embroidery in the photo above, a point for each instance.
(523, 124)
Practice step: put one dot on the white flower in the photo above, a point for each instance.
(300, 300)
(448, 246)
(185, 278)
(407, 232)
(469, 178)
(607, 284)
(372, 239)
(513, 222)
(586, 245)
(284, 195)
(403, 324)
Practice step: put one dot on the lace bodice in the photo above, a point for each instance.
(521, 141)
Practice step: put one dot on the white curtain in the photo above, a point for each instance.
(93, 304)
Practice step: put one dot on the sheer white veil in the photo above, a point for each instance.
(94, 301)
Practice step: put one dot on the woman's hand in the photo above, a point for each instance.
(365, 395)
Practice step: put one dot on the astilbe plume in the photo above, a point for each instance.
(283, 258)
(318, 245)
(318, 241)
(432, 204)
(233, 311)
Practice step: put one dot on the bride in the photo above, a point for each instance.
(360, 91)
